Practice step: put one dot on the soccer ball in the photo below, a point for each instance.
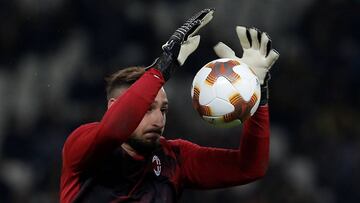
(225, 92)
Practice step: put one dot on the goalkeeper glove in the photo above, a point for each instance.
(181, 44)
(257, 54)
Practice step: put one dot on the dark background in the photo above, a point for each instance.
(54, 55)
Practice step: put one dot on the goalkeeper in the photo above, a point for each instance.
(125, 158)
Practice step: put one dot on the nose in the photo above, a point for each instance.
(158, 119)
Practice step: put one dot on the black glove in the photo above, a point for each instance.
(181, 44)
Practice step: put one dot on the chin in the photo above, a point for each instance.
(144, 146)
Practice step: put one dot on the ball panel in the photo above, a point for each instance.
(242, 109)
(248, 83)
(224, 89)
(245, 89)
(202, 74)
(207, 94)
(220, 107)
(199, 78)
(201, 109)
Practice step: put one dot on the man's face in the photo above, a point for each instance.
(146, 135)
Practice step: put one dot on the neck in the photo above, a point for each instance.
(131, 151)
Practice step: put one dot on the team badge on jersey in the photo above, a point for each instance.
(156, 164)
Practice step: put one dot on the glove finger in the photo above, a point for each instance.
(189, 29)
(188, 47)
(272, 57)
(244, 41)
(255, 35)
(201, 14)
(223, 51)
(204, 16)
(265, 41)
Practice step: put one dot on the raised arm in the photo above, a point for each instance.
(213, 168)
(206, 167)
(95, 140)
(92, 142)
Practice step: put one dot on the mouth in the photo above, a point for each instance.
(152, 135)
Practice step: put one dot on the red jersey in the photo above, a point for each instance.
(97, 169)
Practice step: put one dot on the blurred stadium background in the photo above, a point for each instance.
(54, 55)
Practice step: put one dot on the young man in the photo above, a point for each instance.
(124, 158)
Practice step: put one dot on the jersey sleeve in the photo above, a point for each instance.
(206, 167)
(90, 142)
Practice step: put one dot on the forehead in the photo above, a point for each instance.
(161, 96)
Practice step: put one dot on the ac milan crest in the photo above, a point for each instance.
(156, 164)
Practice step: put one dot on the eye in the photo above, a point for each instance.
(164, 110)
(150, 109)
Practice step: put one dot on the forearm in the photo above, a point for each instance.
(128, 110)
(90, 143)
(205, 167)
(254, 145)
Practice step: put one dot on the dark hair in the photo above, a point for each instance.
(122, 78)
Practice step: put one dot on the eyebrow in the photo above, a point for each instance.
(163, 103)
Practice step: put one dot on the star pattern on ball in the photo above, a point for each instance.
(222, 69)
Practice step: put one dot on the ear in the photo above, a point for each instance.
(110, 102)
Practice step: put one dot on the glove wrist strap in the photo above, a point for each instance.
(165, 64)
(264, 94)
